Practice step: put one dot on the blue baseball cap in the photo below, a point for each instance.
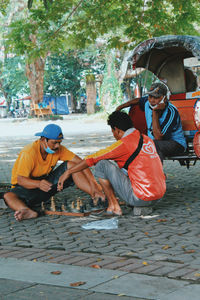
(52, 132)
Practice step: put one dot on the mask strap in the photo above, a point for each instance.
(168, 91)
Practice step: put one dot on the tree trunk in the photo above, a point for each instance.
(73, 103)
(91, 93)
(111, 94)
(35, 75)
(5, 94)
(128, 89)
(106, 97)
(124, 67)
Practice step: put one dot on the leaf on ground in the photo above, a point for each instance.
(96, 266)
(197, 274)
(146, 233)
(73, 143)
(170, 175)
(77, 283)
(99, 259)
(189, 251)
(129, 253)
(145, 263)
(115, 277)
(56, 272)
(161, 220)
(166, 247)
(71, 232)
(121, 295)
(34, 259)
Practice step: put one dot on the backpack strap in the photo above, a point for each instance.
(134, 154)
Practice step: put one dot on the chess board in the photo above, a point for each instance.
(77, 208)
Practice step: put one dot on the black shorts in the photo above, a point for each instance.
(168, 148)
(34, 197)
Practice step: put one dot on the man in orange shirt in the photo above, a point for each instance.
(34, 176)
(129, 167)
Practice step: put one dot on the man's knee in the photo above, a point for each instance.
(69, 165)
(9, 196)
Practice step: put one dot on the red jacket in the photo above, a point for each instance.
(145, 172)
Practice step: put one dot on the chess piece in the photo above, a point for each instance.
(72, 205)
(78, 204)
(81, 206)
(53, 206)
(91, 203)
(42, 206)
(63, 207)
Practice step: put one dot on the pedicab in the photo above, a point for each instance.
(165, 56)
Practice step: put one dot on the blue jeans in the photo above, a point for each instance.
(120, 182)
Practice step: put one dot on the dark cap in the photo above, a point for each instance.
(158, 89)
(52, 132)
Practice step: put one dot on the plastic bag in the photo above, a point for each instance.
(102, 224)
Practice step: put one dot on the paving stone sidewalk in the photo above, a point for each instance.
(163, 245)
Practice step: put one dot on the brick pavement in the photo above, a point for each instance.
(165, 246)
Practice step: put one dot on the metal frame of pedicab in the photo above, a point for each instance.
(164, 57)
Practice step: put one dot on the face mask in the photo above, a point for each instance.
(154, 106)
(48, 150)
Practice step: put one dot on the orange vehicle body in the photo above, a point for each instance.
(164, 57)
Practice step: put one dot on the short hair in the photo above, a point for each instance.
(120, 119)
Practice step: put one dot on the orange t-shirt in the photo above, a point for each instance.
(145, 171)
(31, 164)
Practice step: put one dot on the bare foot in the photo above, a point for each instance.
(24, 214)
(114, 211)
(117, 212)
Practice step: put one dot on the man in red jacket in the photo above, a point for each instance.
(130, 167)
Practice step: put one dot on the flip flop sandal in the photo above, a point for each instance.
(110, 214)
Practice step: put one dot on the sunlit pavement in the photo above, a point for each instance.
(156, 257)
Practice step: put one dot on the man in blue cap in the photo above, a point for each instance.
(34, 176)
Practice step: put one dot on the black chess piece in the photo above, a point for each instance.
(101, 203)
(91, 203)
(81, 209)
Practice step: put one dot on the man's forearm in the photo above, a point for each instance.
(28, 183)
(80, 166)
(156, 126)
(129, 103)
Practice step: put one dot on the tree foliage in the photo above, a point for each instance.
(15, 82)
(63, 74)
(111, 94)
(46, 3)
(3, 6)
(41, 27)
(76, 24)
